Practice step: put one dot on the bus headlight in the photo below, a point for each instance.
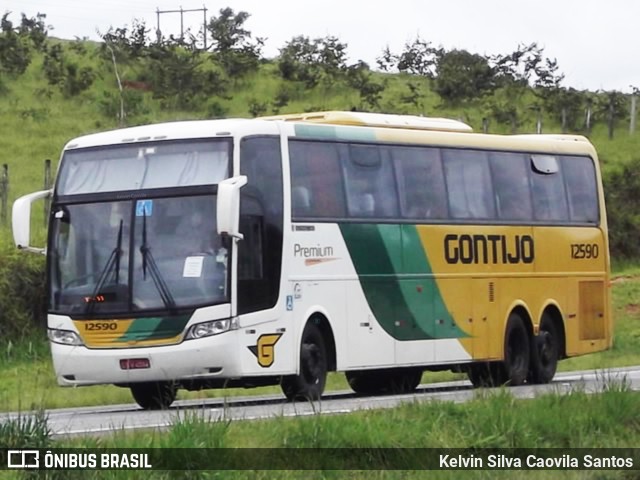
(65, 337)
(206, 329)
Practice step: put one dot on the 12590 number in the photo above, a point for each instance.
(584, 250)
(100, 326)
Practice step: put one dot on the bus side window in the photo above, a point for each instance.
(369, 181)
(580, 180)
(511, 185)
(420, 182)
(549, 197)
(316, 183)
(300, 201)
(468, 184)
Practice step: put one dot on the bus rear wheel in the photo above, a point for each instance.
(516, 351)
(309, 383)
(154, 395)
(486, 374)
(545, 352)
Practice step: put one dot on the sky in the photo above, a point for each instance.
(595, 42)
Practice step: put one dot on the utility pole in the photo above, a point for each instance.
(632, 122)
(182, 11)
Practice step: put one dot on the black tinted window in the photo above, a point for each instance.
(511, 186)
(468, 184)
(549, 197)
(420, 182)
(316, 180)
(580, 177)
(369, 181)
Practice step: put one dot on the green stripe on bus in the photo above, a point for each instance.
(395, 276)
(332, 132)
(152, 328)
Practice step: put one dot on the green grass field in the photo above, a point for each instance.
(494, 420)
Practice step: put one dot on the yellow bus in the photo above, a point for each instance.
(239, 252)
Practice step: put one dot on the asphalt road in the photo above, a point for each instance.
(104, 419)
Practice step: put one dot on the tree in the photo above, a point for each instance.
(311, 61)
(232, 44)
(298, 61)
(65, 74)
(564, 104)
(127, 45)
(35, 29)
(526, 66)
(178, 75)
(387, 61)
(359, 77)
(15, 55)
(419, 58)
(612, 106)
(463, 76)
(53, 64)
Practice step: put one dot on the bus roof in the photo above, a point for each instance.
(366, 119)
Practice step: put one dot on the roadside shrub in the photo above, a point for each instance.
(622, 193)
(26, 431)
(22, 295)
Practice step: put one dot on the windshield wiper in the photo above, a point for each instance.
(112, 261)
(156, 276)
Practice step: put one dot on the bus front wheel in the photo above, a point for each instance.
(309, 383)
(372, 382)
(154, 395)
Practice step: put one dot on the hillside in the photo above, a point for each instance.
(52, 90)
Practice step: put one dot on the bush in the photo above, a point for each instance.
(622, 193)
(22, 295)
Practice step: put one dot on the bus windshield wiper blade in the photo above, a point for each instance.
(112, 261)
(156, 276)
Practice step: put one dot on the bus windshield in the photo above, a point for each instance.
(121, 257)
(144, 166)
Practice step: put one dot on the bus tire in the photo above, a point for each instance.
(486, 374)
(309, 383)
(517, 351)
(373, 382)
(404, 380)
(154, 395)
(364, 383)
(545, 352)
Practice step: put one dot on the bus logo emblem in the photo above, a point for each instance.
(265, 350)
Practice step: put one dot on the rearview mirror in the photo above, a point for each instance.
(228, 207)
(21, 220)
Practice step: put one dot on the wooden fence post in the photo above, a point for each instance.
(4, 195)
(47, 186)
(485, 125)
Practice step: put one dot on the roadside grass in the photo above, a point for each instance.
(26, 371)
(493, 419)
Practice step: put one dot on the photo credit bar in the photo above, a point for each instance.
(182, 459)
